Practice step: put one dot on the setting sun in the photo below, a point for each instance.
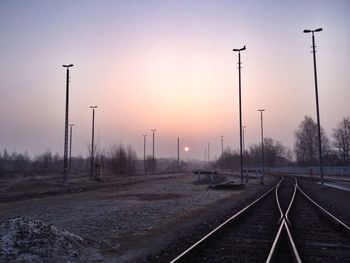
(186, 149)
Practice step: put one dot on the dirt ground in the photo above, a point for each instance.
(128, 222)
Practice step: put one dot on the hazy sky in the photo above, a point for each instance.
(168, 65)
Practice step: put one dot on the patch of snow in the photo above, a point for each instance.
(25, 240)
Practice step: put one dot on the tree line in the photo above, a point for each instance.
(275, 154)
(119, 159)
(335, 150)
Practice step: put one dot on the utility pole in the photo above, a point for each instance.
(240, 107)
(317, 107)
(92, 142)
(65, 157)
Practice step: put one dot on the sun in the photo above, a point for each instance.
(186, 149)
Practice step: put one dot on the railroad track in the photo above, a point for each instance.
(283, 225)
(319, 236)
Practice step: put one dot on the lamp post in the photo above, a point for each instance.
(92, 141)
(222, 146)
(65, 162)
(262, 141)
(317, 107)
(153, 167)
(70, 147)
(144, 152)
(240, 107)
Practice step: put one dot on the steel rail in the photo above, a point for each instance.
(278, 202)
(202, 240)
(286, 222)
(292, 243)
(284, 225)
(274, 244)
(325, 211)
(292, 201)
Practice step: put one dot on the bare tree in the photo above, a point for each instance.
(306, 144)
(341, 139)
(275, 153)
(21, 162)
(121, 160)
(6, 162)
(131, 158)
(229, 160)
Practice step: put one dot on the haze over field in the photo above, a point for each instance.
(168, 65)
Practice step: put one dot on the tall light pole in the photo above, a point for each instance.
(92, 142)
(65, 162)
(70, 147)
(240, 107)
(144, 152)
(153, 167)
(222, 146)
(317, 107)
(243, 127)
(262, 141)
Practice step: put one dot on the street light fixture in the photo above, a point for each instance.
(65, 162)
(153, 167)
(262, 144)
(240, 107)
(92, 142)
(317, 107)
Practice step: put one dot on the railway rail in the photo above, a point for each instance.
(283, 225)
